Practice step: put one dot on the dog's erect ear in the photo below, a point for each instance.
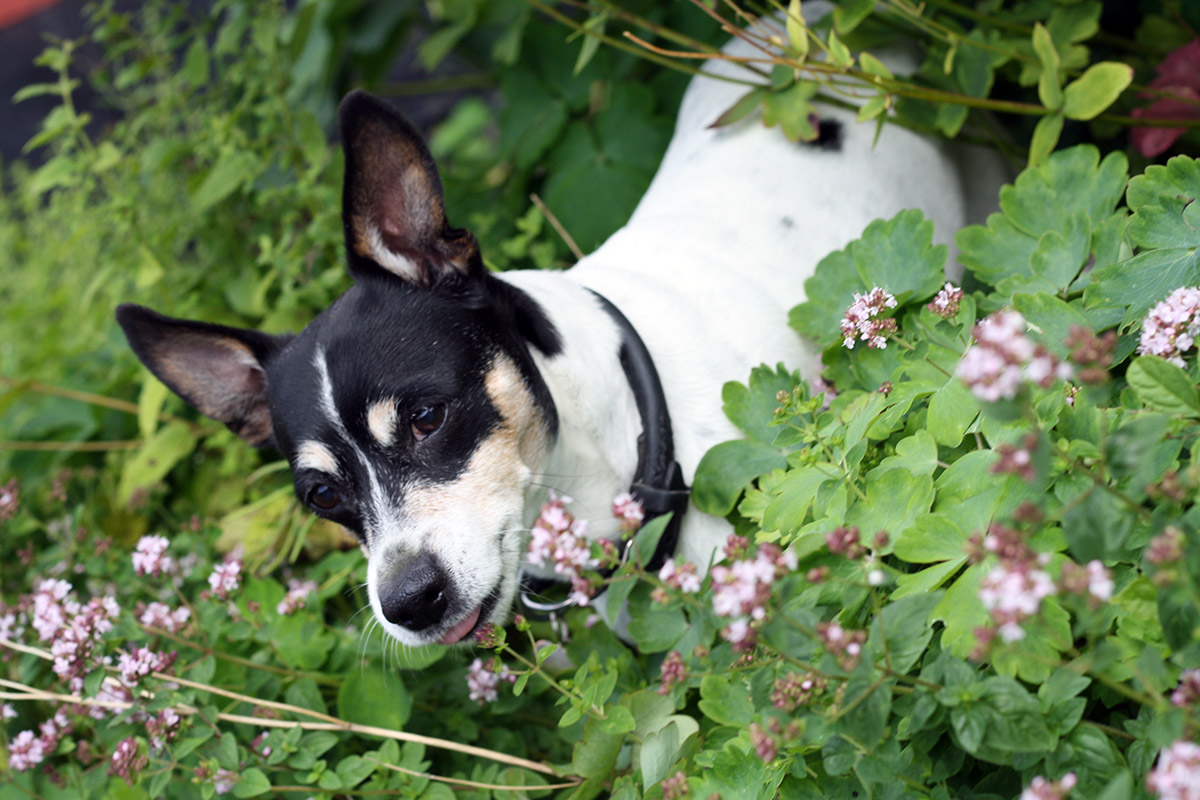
(219, 370)
(392, 203)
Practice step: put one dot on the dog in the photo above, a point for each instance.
(433, 405)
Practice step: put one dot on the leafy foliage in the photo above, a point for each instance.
(878, 507)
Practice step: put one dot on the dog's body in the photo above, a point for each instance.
(432, 407)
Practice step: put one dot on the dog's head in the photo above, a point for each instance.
(410, 410)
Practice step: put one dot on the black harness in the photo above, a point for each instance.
(658, 481)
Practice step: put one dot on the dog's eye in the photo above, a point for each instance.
(428, 420)
(324, 497)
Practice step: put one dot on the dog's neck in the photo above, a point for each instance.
(595, 454)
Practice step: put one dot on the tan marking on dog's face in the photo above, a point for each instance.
(316, 456)
(381, 421)
(501, 467)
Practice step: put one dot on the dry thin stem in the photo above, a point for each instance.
(558, 226)
(329, 724)
(72, 447)
(472, 784)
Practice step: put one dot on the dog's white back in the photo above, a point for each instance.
(715, 255)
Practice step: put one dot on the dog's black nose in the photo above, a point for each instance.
(416, 595)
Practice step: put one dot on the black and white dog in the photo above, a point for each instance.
(433, 405)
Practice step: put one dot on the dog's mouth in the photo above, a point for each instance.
(473, 621)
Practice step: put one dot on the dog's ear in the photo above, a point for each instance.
(219, 370)
(392, 203)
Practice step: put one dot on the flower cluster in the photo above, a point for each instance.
(684, 577)
(27, 750)
(126, 762)
(629, 511)
(296, 597)
(946, 303)
(1014, 589)
(676, 786)
(1093, 579)
(162, 728)
(674, 671)
(795, 690)
(1187, 693)
(483, 679)
(1041, 789)
(1171, 327)
(1092, 355)
(226, 577)
(141, 662)
(1003, 357)
(845, 542)
(159, 615)
(1016, 460)
(1176, 776)
(862, 320)
(150, 557)
(742, 589)
(844, 645)
(10, 500)
(72, 629)
(560, 539)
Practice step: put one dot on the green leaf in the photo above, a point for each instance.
(617, 719)
(839, 54)
(725, 700)
(596, 753)
(745, 104)
(660, 749)
(793, 497)
(792, 110)
(1164, 387)
(899, 255)
(655, 628)
(1048, 83)
(230, 173)
(847, 15)
(1119, 788)
(592, 30)
(227, 751)
(251, 783)
(1096, 89)
(645, 541)
(156, 457)
(894, 501)
(952, 409)
(1045, 138)
(371, 696)
(1042, 199)
(901, 631)
(751, 407)
(869, 704)
(726, 470)
(873, 107)
(797, 31)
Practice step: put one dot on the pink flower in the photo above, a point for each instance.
(226, 578)
(126, 761)
(558, 538)
(10, 500)
(159, 615)
(676, 786)
(1179, 78)
(946, 303)
(1042, 789)
(140, 663)
(1177, 774)
(25, 751)
(483, 682)
(683, 577)
(862, 321)
(296, 597)
(150, 557)
(224, 781)
(162, 728)
(673, 671)
(1003, 357)
(765, 746)
(1171, 327)
(628, 509)
(1187, 693)
(7, 711)
(1013, 592)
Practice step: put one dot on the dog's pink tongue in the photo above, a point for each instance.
(461, 629)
